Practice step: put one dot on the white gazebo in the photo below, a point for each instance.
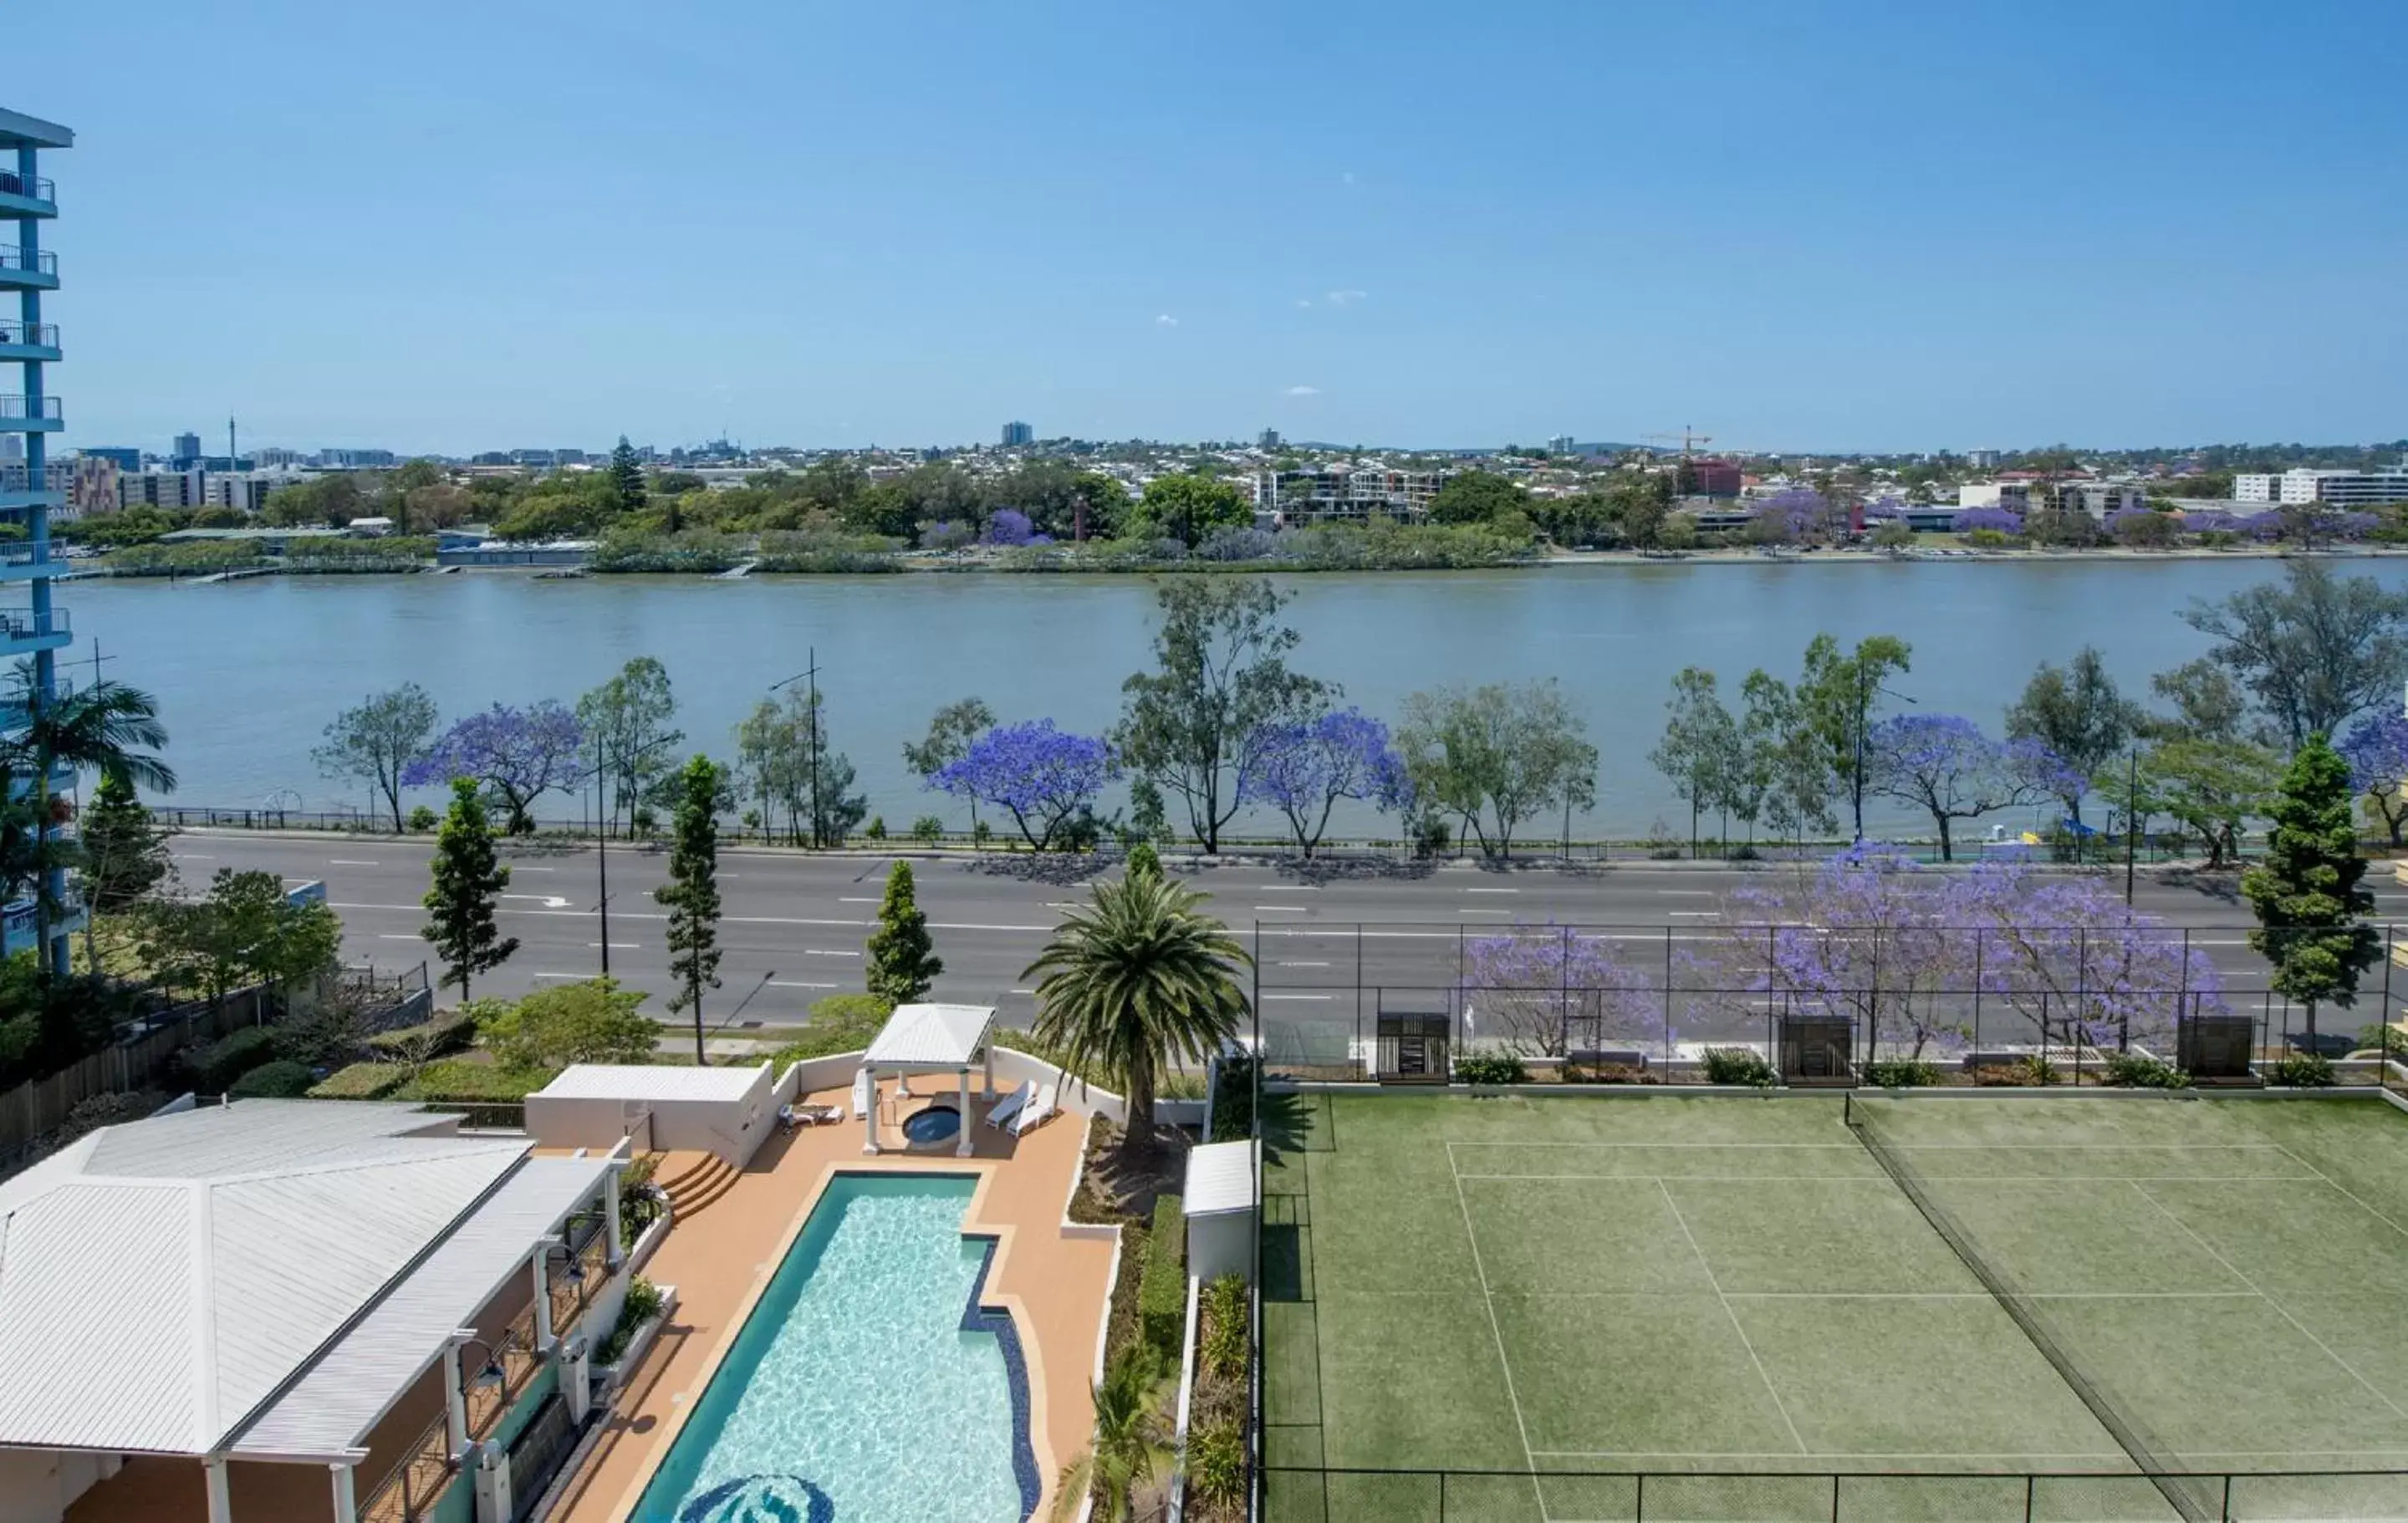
(930, 1039)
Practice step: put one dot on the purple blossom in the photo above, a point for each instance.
(1010, 526)
(2265, 525)
(2066, 952)
(1553, 988)
(1943, 764)
(2005, 521)
(2208, 520)
(2377, 753)
(1798, 511)
(946, 534)
(1866, 937)
(520, 754)
(1044, 777)
(1304, 769)
(1892, 507)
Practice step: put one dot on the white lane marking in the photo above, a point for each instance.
(575, 977)
(1303, 964)
(1297, 997)
(396, 935)
(765, 919)
(517, 868)
(1690, 893)
(1282, 887)
(346, 861)
(195, 857)
(1282, 909)
(1492, 890)
(1697, 914)
(809, 952)
(616, 946)
(791, 983)
(1468, 911)
(550, 901)
(851, 899)
(1023, 992)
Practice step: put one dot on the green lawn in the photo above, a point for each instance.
(1733, 1291)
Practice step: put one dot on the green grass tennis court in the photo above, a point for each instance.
(1707, 1307)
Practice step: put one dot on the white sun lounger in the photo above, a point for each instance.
(865, 1094)
(1033, 1115)
(1010, 1104)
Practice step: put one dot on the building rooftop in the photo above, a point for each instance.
(1220, 1178)
(644, 1081)
(930, 1036)
(18, 130)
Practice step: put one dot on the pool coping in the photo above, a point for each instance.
(1030, 1430)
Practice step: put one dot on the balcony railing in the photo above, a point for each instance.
(415, 1485)
(30, 406)
(589, 1250)
(515, 1354)
(26, 261)
(33, 187)
(38, 334)
(25, 624)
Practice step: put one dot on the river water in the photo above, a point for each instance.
(249, 672)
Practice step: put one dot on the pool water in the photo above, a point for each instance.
(937, 1123)
(854, 1393)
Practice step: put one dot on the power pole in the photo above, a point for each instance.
(813, 672)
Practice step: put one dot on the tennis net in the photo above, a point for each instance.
(2127, 1431)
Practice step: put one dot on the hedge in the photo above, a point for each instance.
(278, 1080)
(459, 1080)
(451, 1033)
(362, 1081)
(216, 1066)
(1162, 1285)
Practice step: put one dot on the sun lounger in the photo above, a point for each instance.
(1033, 1115)
(1010, 1104)
(865, 1094)
(811, 1115)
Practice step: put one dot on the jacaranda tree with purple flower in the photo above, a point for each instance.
(2377, 753)
(1044, 777)
(517, 754)
(2066, 952)
(1303, 769)
(2004, 520)
(1010, 526)
(1549, 989)
(1943, 764)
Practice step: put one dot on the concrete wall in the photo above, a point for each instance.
(37, 1486)
(731, 1129)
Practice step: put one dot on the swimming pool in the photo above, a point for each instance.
(866, 1385)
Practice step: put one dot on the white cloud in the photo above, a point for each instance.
(1339, 298)
(1303, 391)
(1304, 301)
(1348, 177)
(1166, 320)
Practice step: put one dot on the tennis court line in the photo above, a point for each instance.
(1968, 1458)
(2337, 1185)
(1874, 1178)
(1504, 1365)
(1778, 1405)
(2280, 1310)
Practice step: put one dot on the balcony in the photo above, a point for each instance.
(29, 415)
(27, 195)
(28, 341)
(22, 629)
(21, 925)
(20, 268)
(22, 563)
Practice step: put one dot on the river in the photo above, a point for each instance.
(248, 673)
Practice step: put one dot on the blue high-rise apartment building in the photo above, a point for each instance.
(36, 627)
(1016, 433)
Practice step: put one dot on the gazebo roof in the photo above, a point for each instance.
(931, 1036)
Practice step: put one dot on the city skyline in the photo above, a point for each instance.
(1852, 232)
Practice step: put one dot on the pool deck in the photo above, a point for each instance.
(1054, 1283)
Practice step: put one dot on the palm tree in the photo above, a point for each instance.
(1130, 1447)
(1137, 976)
(105, 727)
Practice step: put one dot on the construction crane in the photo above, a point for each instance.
(1689, 439)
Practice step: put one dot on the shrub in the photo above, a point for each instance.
(280, 1080)
(1901, 1073)
(1487, 1068)
(429, 1039)
(1162, 1285)
(423, 819)
(1233, 1098)
(840, 1023)
(2024, 1072)
(2304, 1070)
(459, 1080)
(1224, 1353)
(229, 1057)
(2130, 1071)
(362, 1081)
(593, 1021)
(1737, 1065)
(642, 1305)
(928, 830)
(1217, 1463)
(875, 830)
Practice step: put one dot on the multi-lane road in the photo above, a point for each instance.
(794, 924)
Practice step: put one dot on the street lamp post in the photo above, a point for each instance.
(603, 760)
(1864, 711)
(811, 674)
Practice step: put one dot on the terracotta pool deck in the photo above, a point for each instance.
(1055, 1283)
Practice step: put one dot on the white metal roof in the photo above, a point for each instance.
(334, 1406)
(1220, 1178)
(665, 1081)
(930, 1036)
(158, 1281)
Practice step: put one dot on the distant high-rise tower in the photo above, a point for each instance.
(188, 450)
(38, 628)
(1562, 444)
(1015, 435)
(1270, 439)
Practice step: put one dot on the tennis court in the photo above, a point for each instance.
(1689, 1308)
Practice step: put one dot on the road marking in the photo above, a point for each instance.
(550, 901)
(791, 983)
(1320, 997)
(616, 946)
(345, 862)
(1466, 910)
(1282, 887)
(851, 899)
(810, 953)
(1282, 909)
(575, 976)
(1697, 914)
(517, 868)
(1303, 964)
(396, 935)
(1023, 992)
(195, 857)
(1691, 893)
(1492, 890)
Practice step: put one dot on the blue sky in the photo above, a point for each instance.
(519, 222)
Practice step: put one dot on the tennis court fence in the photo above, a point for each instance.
(1316, 1494)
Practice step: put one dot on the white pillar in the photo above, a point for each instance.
(870, 1121)
(455, 1404)
(614, 1254)
(903, 1084)
(542, 1304)
(346, 1505)
(986, 1056)
(962, 1149)
(221, 1506)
